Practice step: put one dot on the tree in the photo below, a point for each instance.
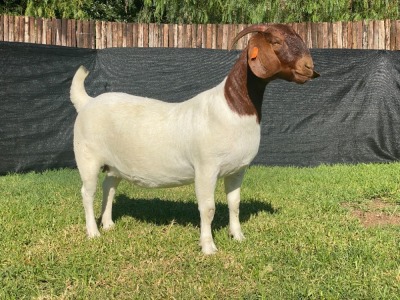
(206, 11)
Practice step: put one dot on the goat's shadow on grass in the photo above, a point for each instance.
(163, 212)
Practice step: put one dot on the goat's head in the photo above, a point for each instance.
(277, 51)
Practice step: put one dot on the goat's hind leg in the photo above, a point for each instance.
(89, 174)
(110, 184)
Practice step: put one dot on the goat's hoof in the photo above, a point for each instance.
(107, 225)
(209, 249)
(92, 235)
(238, 236)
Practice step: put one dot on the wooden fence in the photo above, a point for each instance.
(384, 34)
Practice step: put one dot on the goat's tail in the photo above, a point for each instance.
(78, 94)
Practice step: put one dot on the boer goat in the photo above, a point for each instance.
(215, 134)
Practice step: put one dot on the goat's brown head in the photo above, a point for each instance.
(277, 51)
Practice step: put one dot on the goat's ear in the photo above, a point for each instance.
(261, 58)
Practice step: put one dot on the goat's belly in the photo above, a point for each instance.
(154, 178)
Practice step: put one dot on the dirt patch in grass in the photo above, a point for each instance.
(375, 212)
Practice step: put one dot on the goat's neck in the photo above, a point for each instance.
(243, 90)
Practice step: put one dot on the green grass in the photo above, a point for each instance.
(301, 241)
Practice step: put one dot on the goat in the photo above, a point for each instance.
(216, 134)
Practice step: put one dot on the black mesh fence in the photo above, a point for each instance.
(351, 114)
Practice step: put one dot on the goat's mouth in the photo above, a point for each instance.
(304, 75)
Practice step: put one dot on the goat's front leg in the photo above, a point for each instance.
(232, 190)
(205, 187)
(110, 184)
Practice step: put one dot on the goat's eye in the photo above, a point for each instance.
(276, 42)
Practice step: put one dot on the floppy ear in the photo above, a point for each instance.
(261, 58)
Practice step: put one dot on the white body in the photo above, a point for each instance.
(157, 144)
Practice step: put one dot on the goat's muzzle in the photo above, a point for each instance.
(304, 70)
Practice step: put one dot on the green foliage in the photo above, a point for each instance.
(207, 11)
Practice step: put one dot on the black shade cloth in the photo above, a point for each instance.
(350, 114)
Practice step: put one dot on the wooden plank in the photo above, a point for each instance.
(387, 34)
(375, 35)
(129, 35)
(231, 35)
(17, 29)
(225, 34)
(21, 32)
(120, 34)
(213, 36)
(49, 31)
(114, 32)
(5, 30)
(79, 38)
(11, 28)
(86, 34)
(124, 34)
(325, 35)
(145, 35)
(180, 36)
(98, 35)
(64, 33)
(354, 36)
(335, 29)
(219, 37)
(199, 38)
(344, 35)
(314, 35)
(393, 35)
(350, 35)
(209, 36)
(26, 30)
(1, 28)
(39, 30)
(58, 31)
(103, 44)
(32, 29)
(381, 29)
(339, 35)
(92, 30)
(188, 42)
(170, 36)
(159, 36)
(151, 35)
(358, 29)
(194, 36)
(165, 35)
(109, 36)
(135, 35)
(320, 35)
(397, 22)
(370, 37)
(365, 34)
(73, 33)
(140, 35)
(204, 37)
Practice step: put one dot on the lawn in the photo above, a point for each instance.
(330, 232)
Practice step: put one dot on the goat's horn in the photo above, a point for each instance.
(247, 30)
